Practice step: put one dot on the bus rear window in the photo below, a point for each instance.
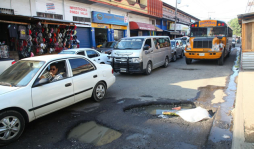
(208, 32)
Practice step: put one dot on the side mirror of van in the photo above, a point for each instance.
(146, 48)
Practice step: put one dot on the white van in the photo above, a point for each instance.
(141, 54)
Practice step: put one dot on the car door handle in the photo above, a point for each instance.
(95, 76)
(68, 84)
(99, 59)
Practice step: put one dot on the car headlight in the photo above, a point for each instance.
(136, 60)
(215, 47)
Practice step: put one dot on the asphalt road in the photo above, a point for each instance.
(203, 82)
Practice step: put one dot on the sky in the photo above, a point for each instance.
(224, 10)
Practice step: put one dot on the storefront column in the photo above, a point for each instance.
(109, 35)
(125, 33)
(92, 36)
(112, 35)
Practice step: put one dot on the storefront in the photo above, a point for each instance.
(142, 29)
(108, 27)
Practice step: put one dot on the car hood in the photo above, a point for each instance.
(7, 89)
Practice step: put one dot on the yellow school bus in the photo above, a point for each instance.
(209, 39)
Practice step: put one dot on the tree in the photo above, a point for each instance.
(237, 30)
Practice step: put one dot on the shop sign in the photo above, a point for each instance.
(99, 17)
(119, 27)
(207, 23)
(79, 11)
(178, 26)
(98, 25)
(49, 6)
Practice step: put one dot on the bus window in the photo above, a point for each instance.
(208, 31)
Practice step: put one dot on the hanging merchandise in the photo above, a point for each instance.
(4, 51)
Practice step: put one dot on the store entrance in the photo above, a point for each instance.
(101, 36)
(118, 34)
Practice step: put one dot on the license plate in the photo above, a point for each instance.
(122, 69)
(201, 54)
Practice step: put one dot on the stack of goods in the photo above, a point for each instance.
(53, 38)
(4, 51)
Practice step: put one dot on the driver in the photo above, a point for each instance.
(53, 75)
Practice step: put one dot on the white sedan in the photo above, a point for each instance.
(37, 86)
(94, 55)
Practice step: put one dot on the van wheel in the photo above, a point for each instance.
(12, 125)
(166, 62)
(221, 59)
(148, 68)
(182, 55)
(174, 57)
(99, 91)
(188, 60)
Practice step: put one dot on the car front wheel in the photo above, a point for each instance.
(12, 125)
(99, 91)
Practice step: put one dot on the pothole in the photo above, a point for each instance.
(91, 132)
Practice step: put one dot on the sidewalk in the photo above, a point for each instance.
(243, 130)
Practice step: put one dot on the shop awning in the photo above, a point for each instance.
(142, 26)
(158, 29)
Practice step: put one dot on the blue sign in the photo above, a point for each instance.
(99, 17)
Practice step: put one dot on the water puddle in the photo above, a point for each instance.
(223, 123)
(159, 108)
(91, 132)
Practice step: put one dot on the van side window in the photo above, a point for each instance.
(161, 42)
(167, 42)
(148, 43)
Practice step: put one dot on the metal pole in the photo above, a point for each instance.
(175, 17)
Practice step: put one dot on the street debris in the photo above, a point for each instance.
(163, 116)
(226, 136)
(193, 115)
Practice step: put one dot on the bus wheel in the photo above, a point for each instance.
(221, 59)
(188, 60)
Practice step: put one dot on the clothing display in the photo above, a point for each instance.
(13, 30)
(22, 32)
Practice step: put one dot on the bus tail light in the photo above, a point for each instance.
(192, 25)
(222, 24)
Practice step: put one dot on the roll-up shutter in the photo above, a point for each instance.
(83, 35)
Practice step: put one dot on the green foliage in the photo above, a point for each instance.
(237, 30)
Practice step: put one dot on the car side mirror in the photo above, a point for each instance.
(39, 82)
(146, 48)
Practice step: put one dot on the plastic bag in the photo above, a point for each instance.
(193, 115)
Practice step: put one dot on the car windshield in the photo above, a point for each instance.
(21, 73)
(108, 45)
(172, 44)
(130, 43)
(208, 31)
(67, 52)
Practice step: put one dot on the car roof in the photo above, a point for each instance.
(53, 57)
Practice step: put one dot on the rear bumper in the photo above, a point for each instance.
(203, 55)
(110, 81)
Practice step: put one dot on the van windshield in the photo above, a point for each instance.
(130, 43)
